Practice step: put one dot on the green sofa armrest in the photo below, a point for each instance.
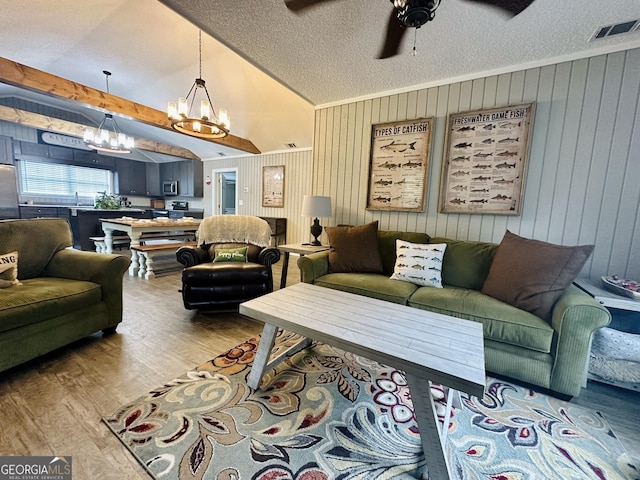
(313, 266)
(101, 268)
(576, 315)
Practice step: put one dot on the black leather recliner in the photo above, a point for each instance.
(223, 286)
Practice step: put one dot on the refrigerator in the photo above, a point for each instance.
(8, 193)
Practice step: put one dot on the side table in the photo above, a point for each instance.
(607, 298)
(615, 345)
(301, 249)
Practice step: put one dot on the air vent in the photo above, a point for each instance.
(617, 29)
(222, 154)
(291, 145)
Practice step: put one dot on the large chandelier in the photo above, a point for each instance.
(108, 137)
(207, 125)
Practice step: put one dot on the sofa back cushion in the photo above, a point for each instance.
(36, 241)
(466, 264)
(387, 242)
(354, 249)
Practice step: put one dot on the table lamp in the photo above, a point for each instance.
(316, 207)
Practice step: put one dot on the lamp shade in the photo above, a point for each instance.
(316, 206)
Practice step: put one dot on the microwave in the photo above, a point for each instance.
(170, 188)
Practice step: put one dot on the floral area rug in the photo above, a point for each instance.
(329, 414)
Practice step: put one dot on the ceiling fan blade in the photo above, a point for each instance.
(393, 38)
(514, 7)
(296, 5)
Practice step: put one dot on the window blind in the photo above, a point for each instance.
(40, 178)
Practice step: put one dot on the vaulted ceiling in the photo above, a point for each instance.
(270, 67)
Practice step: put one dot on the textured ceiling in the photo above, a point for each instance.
(327, 53)
(279, 64)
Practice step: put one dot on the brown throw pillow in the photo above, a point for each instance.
(532, 275)
(354, 249)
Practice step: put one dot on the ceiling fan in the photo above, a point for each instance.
(413, 14)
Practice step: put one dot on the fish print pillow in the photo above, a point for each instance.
(419, 263)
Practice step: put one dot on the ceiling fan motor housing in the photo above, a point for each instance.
(415, 13)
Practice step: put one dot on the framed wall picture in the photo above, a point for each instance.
(399, 165)
(273, 186)
(485, 160)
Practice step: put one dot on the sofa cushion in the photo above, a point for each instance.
(466, 264)
(531, 274)
(36, 241)
(39, 299)
(419, 263)
(232, 274)
(501, 322)
(354, 249)
(9, 270)
(369, 285)
(387, 242)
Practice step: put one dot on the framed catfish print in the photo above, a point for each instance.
(399, 164)
(486, 157)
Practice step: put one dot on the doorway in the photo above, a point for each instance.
(224, 193)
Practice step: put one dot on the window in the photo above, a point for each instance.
(40, 178)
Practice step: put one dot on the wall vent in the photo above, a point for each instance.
(617, 29)
(291, 145)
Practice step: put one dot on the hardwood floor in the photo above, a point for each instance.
(53, 405)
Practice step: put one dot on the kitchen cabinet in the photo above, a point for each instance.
(91, 158)
(6, 150)
(85, 223)
(188, 174)
(132, 177)
(40, 212)
(34, 149)
(60, 153)
(153, 179)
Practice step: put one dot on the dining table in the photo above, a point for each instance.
(135, 227)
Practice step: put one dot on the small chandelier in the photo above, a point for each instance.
(108, 137)
(205, 126)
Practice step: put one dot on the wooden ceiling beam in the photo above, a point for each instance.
(43, 122)
(22, 76)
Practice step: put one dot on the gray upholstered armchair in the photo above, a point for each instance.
(232, 263)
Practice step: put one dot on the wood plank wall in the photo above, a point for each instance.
(583, 180)
(298, 177)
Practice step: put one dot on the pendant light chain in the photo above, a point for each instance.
(200, 50)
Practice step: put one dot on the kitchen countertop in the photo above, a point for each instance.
(85, 207)
(91, 209)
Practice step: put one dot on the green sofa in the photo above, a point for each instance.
(64, 294)
(550, 354)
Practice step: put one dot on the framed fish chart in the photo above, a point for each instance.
(273, 186)
(486, 157)
(399, 165)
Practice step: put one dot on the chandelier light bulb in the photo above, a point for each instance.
(205, 111)
(183, 107)
(224, 117)
(172, 110)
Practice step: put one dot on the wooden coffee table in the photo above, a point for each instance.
(426, 346)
